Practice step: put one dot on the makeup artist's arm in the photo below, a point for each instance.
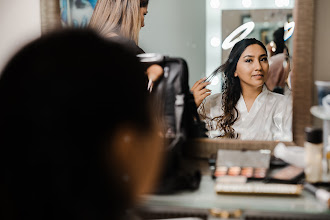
(199, 91)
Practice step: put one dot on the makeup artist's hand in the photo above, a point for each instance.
(199, 91)
(154, 72)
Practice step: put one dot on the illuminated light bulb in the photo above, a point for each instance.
(215, 81)
(279, 3)
(247, 3)
(286, 2)
(244, 29)
(215, 42)
(215, 3)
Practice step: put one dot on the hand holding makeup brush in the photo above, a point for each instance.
(154, 72)
(199, 91)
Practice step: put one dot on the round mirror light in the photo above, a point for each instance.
(247, 3)
(215, 42)
(282, 3)
(215, 81)
(288, 30)
(244, 29)
(215, 3)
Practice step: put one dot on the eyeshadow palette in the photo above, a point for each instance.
(248, 172)
(250, 164)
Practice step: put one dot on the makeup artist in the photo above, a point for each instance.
(121, 21)
(245, 109)
(70, 148)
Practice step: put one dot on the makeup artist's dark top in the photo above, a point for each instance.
(129, 44)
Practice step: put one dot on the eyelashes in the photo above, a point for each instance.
(264, 59)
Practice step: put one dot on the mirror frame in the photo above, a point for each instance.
(50, 16)
(302, 89)
(302, 79)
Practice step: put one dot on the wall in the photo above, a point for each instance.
(322, 44)
(177, 29)
(19, 24)
(322, 47)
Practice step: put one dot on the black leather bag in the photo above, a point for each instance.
(177, 111)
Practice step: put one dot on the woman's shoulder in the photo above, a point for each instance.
(211, 105)
(212, 101)
(129, 44)
(278, 100)
(275, 95)
(214, 98)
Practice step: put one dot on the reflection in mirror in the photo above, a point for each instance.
(186, 38)
(223, 17)
(196, 29)
(246, 109)
(178, 37)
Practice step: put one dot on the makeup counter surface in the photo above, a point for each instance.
(205, 203)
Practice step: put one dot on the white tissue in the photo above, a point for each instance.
(293, 155)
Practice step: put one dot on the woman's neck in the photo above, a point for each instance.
(250, 94)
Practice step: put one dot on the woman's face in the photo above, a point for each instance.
(252, 67)
(143, 12)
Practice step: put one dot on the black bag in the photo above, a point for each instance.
(177, 111)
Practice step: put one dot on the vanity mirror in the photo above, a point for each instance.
(203, 58)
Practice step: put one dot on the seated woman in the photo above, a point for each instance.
(245, 109)
(77, 141)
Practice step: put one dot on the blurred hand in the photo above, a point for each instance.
(199, 91)
(154, 72)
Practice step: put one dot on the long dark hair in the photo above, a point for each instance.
(278, 37)
(231, 87)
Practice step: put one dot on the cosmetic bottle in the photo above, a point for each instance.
(326, 167)
(313, 154)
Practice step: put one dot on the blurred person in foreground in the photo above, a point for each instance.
(78, 141)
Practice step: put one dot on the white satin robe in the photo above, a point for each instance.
(270, 117)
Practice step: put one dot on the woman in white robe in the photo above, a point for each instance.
(245, 109)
